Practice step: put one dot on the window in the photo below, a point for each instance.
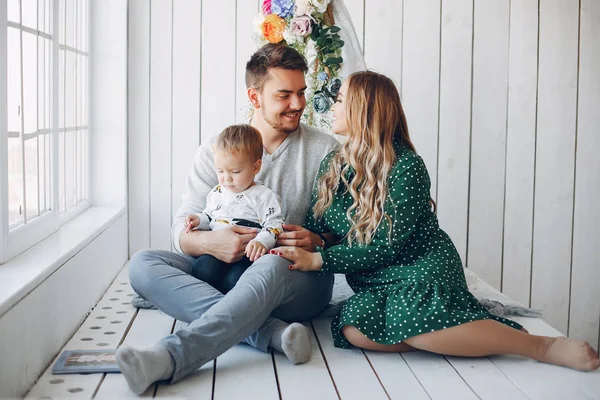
(44, 132)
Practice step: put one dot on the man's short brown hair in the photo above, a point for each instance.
(272, 55)
(240, 139)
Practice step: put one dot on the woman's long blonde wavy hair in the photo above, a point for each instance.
(375, 119)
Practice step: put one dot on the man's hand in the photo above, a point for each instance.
(255, 250)
(301, 259)
(227, 244)
(298, 236)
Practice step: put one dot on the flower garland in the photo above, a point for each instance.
(308, 27)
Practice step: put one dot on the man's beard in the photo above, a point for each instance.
(278, 127)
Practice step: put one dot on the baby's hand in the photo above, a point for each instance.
(191, 222)
(255, 250)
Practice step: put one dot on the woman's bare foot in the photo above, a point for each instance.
(570, 353)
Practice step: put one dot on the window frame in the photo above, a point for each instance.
(18, 239)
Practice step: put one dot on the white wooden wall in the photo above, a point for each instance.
(502, 99)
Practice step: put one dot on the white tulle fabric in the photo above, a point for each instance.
(352, 54)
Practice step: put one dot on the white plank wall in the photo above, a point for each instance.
(520, 149)
(555, 156)
(584, 309)
(383, 38)
(218, 66)
(161, 110)
(488, 138)
(138, 136)
(244, 48)
(420, 97)
(356, 9)
(454, 134)
(187, 56)
(502, 100)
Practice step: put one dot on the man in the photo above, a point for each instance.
(267, 293)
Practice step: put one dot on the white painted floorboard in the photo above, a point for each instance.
(332, 373)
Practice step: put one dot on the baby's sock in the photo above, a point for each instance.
(294, 342)
(142, 367)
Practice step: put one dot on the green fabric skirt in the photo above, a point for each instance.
(390, 314)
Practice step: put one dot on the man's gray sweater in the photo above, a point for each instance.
(290, 172)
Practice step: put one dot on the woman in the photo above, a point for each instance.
(372, 199)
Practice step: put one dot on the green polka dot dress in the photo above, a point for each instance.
(411, 284)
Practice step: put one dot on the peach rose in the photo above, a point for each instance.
(273, 27)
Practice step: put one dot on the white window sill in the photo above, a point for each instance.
(25, 272)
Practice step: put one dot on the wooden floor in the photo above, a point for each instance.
(245, 373)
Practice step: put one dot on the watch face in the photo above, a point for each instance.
(322, 245)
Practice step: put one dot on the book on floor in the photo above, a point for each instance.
(86, 362)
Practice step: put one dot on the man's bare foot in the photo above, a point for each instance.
(571, 353)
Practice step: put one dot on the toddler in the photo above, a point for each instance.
(237, 200)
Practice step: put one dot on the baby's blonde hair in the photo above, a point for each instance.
(240, 139)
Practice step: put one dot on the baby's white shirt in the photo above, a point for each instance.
(257, 204)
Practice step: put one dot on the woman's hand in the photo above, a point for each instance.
(301, 259)
(297, 236)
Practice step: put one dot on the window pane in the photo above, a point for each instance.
(70, 25)
(31, 178)
(61, 170)
(84, 91)
(14, 80)
(81, 25)
(14, 11)
(86, 163)
(61, 21)
(81, 103)
(44, 22)
(15, 182)
(81, 165)
(30, 82)
(29, 13)
(70, 90)
(70, 170)
(43, 84)
(44, 163)
(85, 31)
(50, 156)
(61, 88)
(48, 117)
(78, 169)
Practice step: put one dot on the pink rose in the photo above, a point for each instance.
(302, 26)
(266, 7)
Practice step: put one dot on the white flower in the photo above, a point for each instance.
(311, 54)
(290, 37)
(259, 39)
(257, 23)
(320, 5)
(302, 8)
(310, 84)
(257, 34)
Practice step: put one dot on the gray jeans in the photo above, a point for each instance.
(266, 295)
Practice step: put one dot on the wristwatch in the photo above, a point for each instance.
(322, 245)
